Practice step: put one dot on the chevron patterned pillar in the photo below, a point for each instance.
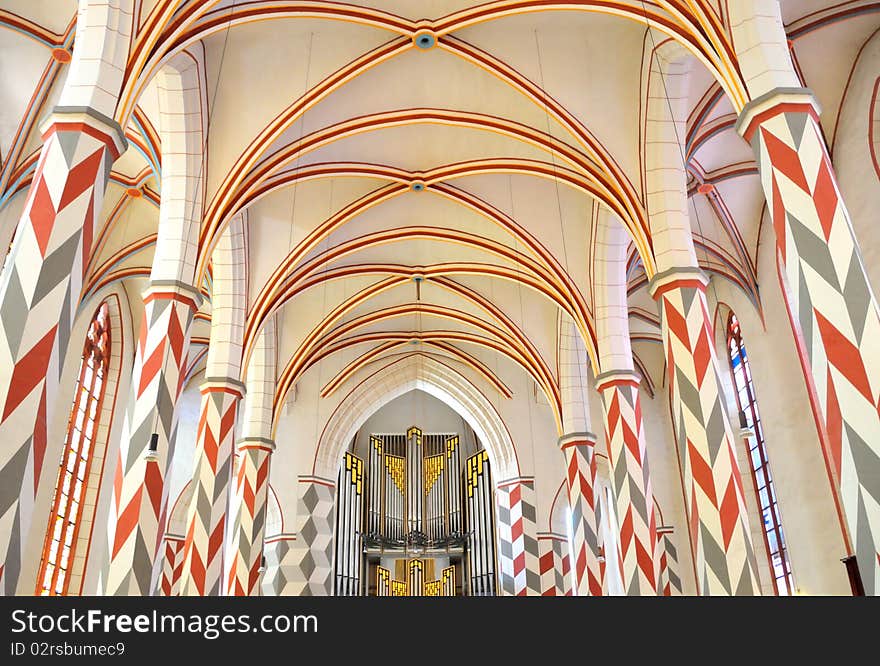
(562, 567)
(580, 480)
(545, 566)
(206, 518)
(138, 503)
(518, 538)
(172, 565)
(722, 547)
(554, 566)
(670, 583)
(631, 480)
(39, 294)
(249, 515)
(254, 451)
(313, 548)
(831, 303)
(577, 446)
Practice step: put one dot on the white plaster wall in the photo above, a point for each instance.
(183, 461)
(857, 176)
(304, 415)
(420, 409)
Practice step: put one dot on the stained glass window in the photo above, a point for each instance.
(73, 470)
(774, 540)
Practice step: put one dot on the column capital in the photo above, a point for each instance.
(616, 378)
(674, 278)
(88, 120)
(577, 439)
(223, 385)
(665, 529)
(174, 291)
(262, 443)
(523, 480)
(774, 102)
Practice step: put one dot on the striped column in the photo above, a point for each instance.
(139, 501)
(206, 518)
(670, 583)
(39, 293)
(725, 560)
(249, 515)
(580, 478)
(631, 480)
(831, 303)
(517, 538)
(172, 566)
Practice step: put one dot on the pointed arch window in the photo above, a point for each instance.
(66, 515)
(774, 539)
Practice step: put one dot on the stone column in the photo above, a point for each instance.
(139, 502)
(518, 538)
(722, 546)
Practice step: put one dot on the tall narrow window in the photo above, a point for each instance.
(73, 471)
(774, 540)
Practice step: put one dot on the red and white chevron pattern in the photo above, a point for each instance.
(554, 566)
(546, 566)
(631, 481)
(172, 566)
(833, 308)
(517, 538)
(139, 500)
(249, 511)
(722, 547)
(580, 478)
(206, 516)
(39, 294)
(670, 583)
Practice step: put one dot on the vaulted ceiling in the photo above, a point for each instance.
(435, 196)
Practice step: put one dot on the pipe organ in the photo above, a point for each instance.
(415, 519)
(349, 518)
(481, 523)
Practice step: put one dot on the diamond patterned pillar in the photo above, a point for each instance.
(831, 303)
(725, 559)
(281, 563)
(313, 548)
(139, 500)
(249, 515)
(40, 290)
(580, 478)
(206, 517)
(631, 480)
(517, 538)
(670, 583)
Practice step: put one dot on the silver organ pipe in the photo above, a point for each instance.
(349, 526)
(481, 534)
(426, 512)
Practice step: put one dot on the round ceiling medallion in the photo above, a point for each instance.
(417, 186)
(61, 55)
(424, 40)
(705, 188)
(134, 192)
